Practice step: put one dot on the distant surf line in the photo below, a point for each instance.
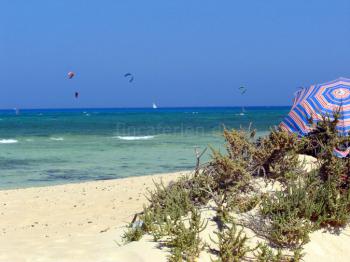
(8, 141)
(131, 138)
(57, 138)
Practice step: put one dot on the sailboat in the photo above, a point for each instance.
(242, 112)
(154, 106)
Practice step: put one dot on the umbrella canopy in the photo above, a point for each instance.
(317, 100)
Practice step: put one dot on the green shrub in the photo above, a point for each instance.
(288, 230)
(234, 169)
(244, 204)
(266, 254)
(184, 241)
(132, 234)
(232, 244)
(276, 154)
(173, 201)
(306, 201)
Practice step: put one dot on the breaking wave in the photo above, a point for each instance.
(8, 141)
(57, 138)
(130, 138)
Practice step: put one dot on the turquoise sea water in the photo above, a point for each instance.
(46, 147)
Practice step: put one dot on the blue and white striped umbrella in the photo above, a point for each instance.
(319, 100)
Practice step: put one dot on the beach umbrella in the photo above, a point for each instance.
(316, 101)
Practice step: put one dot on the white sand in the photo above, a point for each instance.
(74, 222)
(83, 222)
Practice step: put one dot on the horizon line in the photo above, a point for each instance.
(165, 107)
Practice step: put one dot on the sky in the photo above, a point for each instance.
(181, 52)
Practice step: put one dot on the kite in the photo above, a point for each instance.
(71, 75)
(130, 76)
(242, 89)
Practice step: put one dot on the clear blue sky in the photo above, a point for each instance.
(182, 52)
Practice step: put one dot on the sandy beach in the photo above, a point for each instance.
(73, 222)
(84, 222)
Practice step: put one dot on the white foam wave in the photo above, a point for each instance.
(57, 138)
(8, 141)
(130, 138)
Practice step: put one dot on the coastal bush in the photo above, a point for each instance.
(288, 212)
(197, 187)
(244, 204)
(232, 244)
(173, 201)
(304, 202)
(183, 240)
(267, 254)
(167, 204)
(288, 230)
(233, 169)
(305, 205)
(332, 205)
(321, 143)
(277, 154)
(324, 135)
(132, 234)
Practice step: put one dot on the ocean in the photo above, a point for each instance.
(58, 146)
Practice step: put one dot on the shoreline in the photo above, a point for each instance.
(94, 181)
(71, 222)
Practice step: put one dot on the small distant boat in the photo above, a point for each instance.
(242, 112)
(154, 106)
(16, 111)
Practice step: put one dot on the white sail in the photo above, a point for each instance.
(242, 112)
(154, 106)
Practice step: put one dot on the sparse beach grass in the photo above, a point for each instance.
(262, 179)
